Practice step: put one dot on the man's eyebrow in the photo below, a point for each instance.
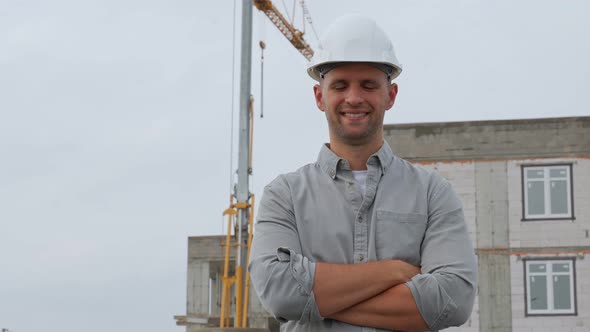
(339, 81)
(370, 81)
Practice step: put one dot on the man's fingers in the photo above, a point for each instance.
(405, 271)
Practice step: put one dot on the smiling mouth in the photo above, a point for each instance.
(354, 115)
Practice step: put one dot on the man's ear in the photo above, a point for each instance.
(391, 94)
(317, 92)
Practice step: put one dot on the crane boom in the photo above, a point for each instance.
(293, 35)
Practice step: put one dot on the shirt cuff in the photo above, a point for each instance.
(303, 271)
(433, 302)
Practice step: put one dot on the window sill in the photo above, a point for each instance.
(545, 219)
(550, 315)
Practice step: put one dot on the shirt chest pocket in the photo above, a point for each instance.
(399, 236)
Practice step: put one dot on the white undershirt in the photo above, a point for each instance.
(361, 179)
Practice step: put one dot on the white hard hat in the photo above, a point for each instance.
(354, 38)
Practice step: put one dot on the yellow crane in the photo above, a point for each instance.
(241, 209)
(287, 29)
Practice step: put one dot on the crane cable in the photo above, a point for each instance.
(232, 111)
(293, 17)
(287, 11)
(307, 16)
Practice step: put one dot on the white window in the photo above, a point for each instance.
(547, 192)
(550, 287)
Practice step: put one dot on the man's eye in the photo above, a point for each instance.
(339, 87)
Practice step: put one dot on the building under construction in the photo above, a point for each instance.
(525, 188)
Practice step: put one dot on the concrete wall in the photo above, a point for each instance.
(506, 139)
(198, 289)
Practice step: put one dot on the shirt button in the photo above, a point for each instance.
(332, 173)
(361, 258)
(361, 220)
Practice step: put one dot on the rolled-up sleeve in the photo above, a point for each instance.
(445, 291)
(282, 277)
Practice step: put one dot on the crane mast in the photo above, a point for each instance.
(240, 214)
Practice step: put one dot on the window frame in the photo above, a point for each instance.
(570, 191)
(550, 312)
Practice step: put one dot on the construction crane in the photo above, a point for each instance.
(241, 210)
(293, 35)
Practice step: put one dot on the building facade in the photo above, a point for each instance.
(525, 188)
(204, 288)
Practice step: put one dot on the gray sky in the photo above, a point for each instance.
(115, 129)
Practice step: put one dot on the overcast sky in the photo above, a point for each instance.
(115, 127)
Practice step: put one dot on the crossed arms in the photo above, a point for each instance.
(371, 294)
(389, 294)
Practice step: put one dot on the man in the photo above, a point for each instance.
(361, 240)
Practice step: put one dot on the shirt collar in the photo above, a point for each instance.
(329, 161)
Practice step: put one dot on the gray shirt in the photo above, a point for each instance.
(317, 214)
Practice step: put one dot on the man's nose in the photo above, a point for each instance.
(354, 96)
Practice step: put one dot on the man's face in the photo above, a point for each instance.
(355, 98)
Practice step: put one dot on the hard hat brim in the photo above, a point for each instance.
(314, 73)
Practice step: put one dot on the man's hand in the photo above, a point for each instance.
(404, 271)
